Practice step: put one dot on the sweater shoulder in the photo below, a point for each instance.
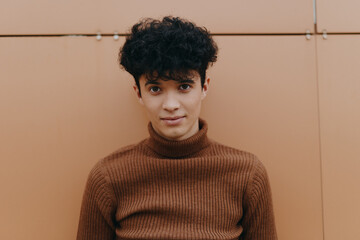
(247, 159)
(217, 148)
(122, 153)
(114, 160)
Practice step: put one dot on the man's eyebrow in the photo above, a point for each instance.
(187, 81)
(152, 82)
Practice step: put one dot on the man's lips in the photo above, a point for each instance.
(172, 121)
(171, 118)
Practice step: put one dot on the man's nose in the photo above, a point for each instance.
(171, 103)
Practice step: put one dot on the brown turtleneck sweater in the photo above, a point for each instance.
(190, 189)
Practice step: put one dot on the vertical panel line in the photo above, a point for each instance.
(319, 127)
(314, 7)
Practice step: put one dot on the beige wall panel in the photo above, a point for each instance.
(64, 104)
(263, 99)
(338, 16)
(339, 74)
(90, 16)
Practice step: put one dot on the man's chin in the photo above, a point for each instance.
(172, 134)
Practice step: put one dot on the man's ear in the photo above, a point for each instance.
(137, 92)
(205, 88)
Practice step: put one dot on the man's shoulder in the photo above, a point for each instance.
(118, 156)
(235, 156)
(226, 150)
(123, 152)
(118, 159)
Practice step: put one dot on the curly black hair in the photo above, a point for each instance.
(167, 49)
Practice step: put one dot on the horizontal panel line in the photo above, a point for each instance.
(213, 34)
(62, 35)
(256, 34)
(339, 33)
(123, 35)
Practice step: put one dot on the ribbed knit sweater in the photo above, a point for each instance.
(190, 189)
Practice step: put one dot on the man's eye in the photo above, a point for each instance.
(185, 87)
(154, 89)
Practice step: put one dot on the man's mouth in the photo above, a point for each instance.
(172, 121)
(171, 118)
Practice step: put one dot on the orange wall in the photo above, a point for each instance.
(91, 16)
(292, 101)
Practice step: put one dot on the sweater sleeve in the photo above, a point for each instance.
(97, 215)
(258, 220)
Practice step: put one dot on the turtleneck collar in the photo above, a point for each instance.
(178, 149)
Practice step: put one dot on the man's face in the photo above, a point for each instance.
(173, 107)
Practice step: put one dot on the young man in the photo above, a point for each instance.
(178, 183)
